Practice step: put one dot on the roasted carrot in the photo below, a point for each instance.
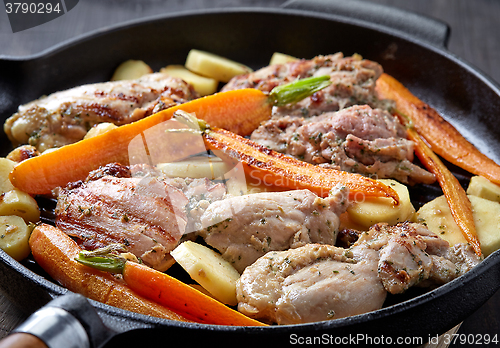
(240, 111)
(55, 252)
(442, 137)
(460, 206)
(274, 168)
(169, 291)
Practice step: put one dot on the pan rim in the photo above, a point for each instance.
(338, 323)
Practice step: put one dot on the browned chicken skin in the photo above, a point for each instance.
(323, 282)
(65, 117)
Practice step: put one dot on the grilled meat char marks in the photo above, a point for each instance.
(65, 117)
(356, 139)
(149, 214)
(145, 214)
(322, 282)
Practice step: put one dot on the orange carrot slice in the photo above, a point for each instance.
(443, 138)
(460, 206)
(240, 111)
(55, 252)
(181, 297)
(274, 168)
(164, 289)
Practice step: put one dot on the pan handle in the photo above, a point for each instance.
(407, 23)
(68, 321)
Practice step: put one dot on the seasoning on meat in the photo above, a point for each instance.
(353, 82)
(243, 228)
(65, 117)
(356, 139)
(322, 282)
(149, 214)
(308, 284)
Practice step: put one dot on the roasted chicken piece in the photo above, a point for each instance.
(356, 139)
(147, 214)
(321, 282)
(353, 82)
(311, 283)
(65, 117)
(243, 228)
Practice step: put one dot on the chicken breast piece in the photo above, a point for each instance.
(244, 228)
(356, 139)
(65, 117)
(353, 82)
(308, 284)
(322, 282)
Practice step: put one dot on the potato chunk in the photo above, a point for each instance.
(196, 167)
(14, 235)
(131, 70)
(214, 66)
(209, 269)
(437, 216)
(201, 84)
(16, 202)
(6, 166)
(375, 210)
(99, 129)
(482, 187)
(281, 58)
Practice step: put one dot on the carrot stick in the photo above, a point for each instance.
(55, 252)
(443, 138)
(460, 206)
(240, 111)
(167, 291)
(274, 168)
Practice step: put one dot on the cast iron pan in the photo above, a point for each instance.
(410, 47)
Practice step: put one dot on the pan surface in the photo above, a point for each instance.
(457, 91)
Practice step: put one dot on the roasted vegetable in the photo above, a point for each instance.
(167, 290)
(436, 215)
(209, 269)
(131, 70)
(374, 210)
(214, 66)
(459, 204)
(442, 137)
(239, 111)
(55, 252)
(201, 84)
(14, 234)
(276, 169)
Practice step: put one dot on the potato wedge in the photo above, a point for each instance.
(201, 84)
(437, 216)
(209, 269)
(14, 235)
(99, 129)
(197, 167)
(6, 166)
(281, 58)
(375, 210)
(481, 187)
(19, 203)
(131, 70)
(214, 66)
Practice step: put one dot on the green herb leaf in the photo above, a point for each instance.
(297, 90)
